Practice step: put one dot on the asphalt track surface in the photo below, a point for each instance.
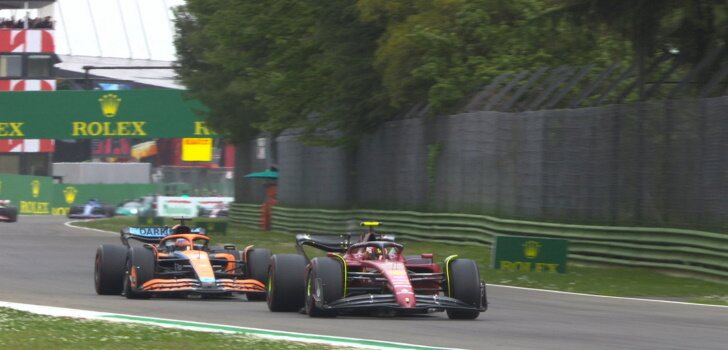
(44, 262)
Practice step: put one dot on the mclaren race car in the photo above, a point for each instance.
(178, 261)
(93, 209)
(8, 213)
(372, 274)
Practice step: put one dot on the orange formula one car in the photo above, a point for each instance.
(178, 261)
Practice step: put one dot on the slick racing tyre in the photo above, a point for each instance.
(139, 269)
(257, 261)
(325, 283)
(286, 282)
(464, 285)
(109, 269)
(12, 214)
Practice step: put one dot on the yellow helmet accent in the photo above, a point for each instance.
(370, 223)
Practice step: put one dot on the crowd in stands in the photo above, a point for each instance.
(33, 23)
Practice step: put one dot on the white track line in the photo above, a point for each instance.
(219, 328)
(68, 224)
(608, 296)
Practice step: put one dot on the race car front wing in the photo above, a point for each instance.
(189, 285)
(423, 304)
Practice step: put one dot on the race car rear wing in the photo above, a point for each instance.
(327, 243)
(150, 234)
(332, 243)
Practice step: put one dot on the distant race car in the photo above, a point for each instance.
(178, 261)
(372, 274)
(8, 213)
(129, 208)
(219, 210)
(93, 209)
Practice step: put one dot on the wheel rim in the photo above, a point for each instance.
(310, 303)
(269, 295)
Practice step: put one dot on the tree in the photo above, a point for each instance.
(442, 51)
(688, 28)
(282, 64)
(232, 109)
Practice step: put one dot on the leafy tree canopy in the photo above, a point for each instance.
(338, 68)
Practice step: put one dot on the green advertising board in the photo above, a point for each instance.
(100, 114)
(529, 254)
(39, 195)
(31, 194)
(66, 195)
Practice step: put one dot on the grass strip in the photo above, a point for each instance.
(24, 330)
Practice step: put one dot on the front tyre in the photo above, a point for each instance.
(109, 268)
(256, 264)
(324, 284)
(286, 282)
(464, 285)
(139, 269)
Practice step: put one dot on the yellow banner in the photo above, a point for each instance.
(197, 150)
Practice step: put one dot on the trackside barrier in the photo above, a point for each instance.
(666, 248)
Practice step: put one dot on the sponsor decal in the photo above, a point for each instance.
(11, 129)
(69, 194)
(35, 188)
(110, 104)
(30, 207)
(530, 249)
(150, 231)
(201, 129)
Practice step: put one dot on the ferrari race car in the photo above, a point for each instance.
(178, 261)
(372, 274)
(7, 212)
(93, 209)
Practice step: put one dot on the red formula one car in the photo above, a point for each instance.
(8, 213)
(372, 274)
(178, 261)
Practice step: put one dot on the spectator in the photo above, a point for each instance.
(33, 23)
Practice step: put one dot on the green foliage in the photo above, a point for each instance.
(337, 69)
(282, 64)
(445, 50)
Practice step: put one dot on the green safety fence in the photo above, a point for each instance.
(666, 248)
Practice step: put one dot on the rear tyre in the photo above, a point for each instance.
(12, 214)
(139, 269)
(256, 263)
(464, 286)
(286, 282)
(325, 282)
(109, 268)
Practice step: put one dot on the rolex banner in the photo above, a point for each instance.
(100, 114)
(529, 254)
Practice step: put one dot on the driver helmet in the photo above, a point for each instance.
(373, 253)
(182, 244)
(177, 229)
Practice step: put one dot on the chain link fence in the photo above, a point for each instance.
(660, 163)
